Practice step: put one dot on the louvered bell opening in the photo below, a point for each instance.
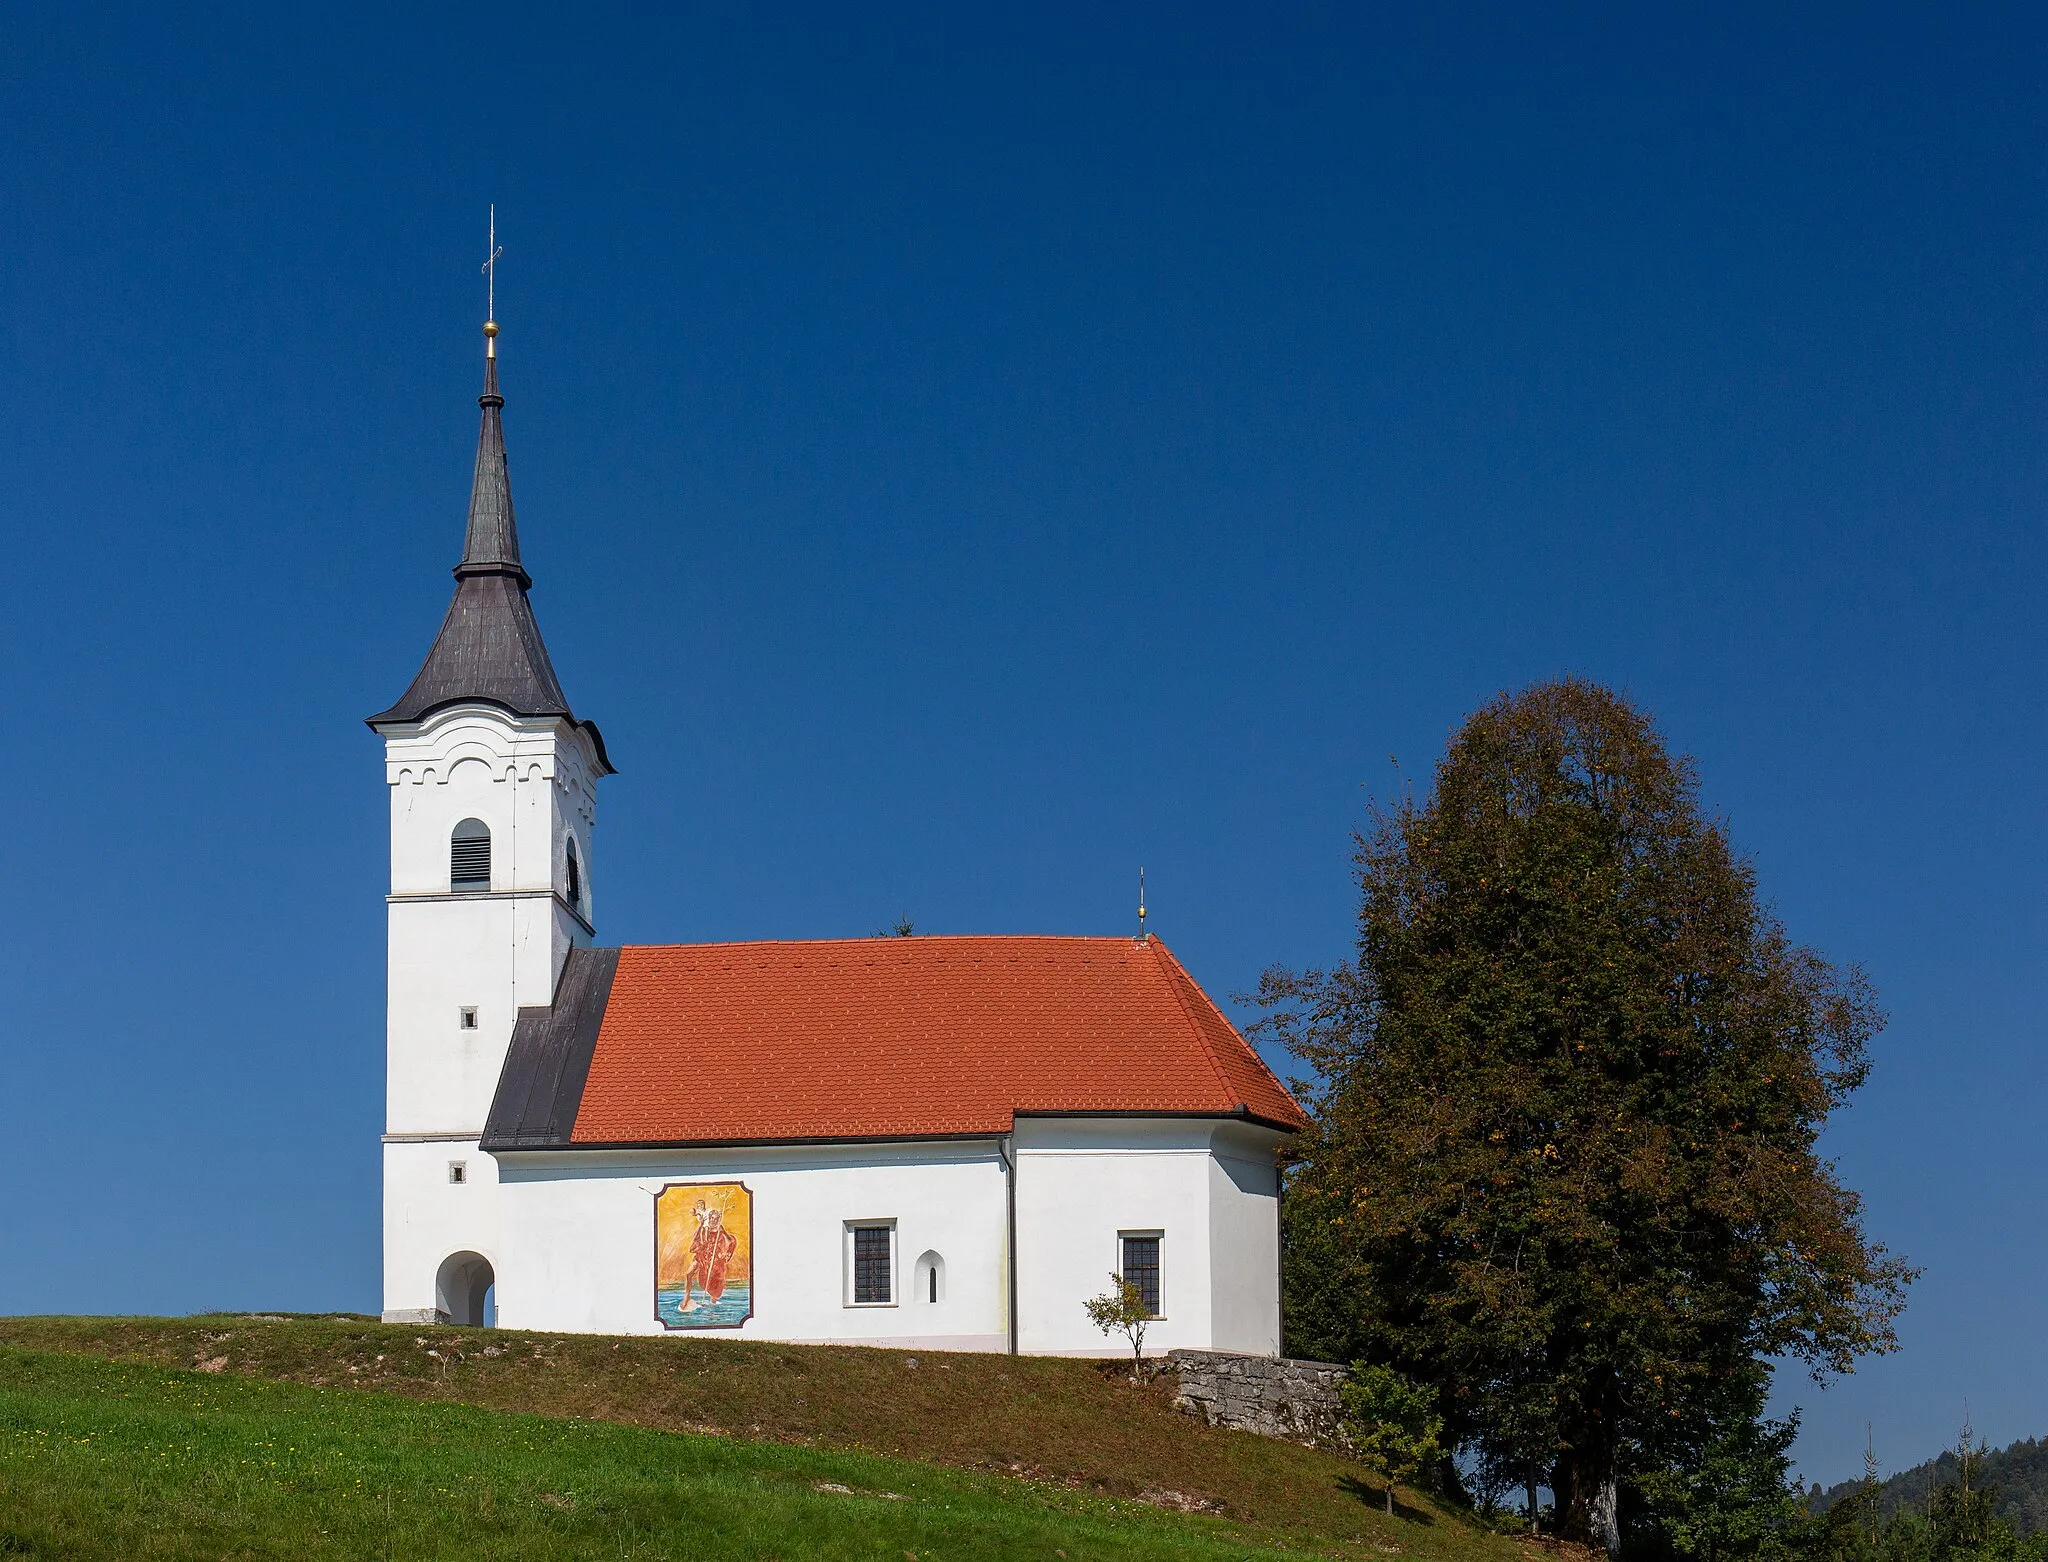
(469, 857)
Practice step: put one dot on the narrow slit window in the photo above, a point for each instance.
(1141, 1267)
(871, 1277)
(932, 1275)
(469, 857)
(458, 1171)
(575, 880)
(469, 1019)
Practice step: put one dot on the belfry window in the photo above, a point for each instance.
(575, 880)
(469, 857)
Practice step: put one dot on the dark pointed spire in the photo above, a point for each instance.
(491, 546)
(489, 648)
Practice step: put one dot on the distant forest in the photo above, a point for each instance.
(2018, 1473)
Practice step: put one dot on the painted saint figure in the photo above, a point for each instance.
(713, 1253)
(711, 1250)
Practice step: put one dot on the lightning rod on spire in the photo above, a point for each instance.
(1142, 934)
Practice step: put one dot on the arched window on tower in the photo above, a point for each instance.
(469, 857)
(575, 880)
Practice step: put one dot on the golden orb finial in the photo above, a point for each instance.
(490, 328)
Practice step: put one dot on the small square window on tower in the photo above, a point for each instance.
(458, 1171)
(469, 1019)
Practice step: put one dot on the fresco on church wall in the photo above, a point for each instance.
(704, 1255)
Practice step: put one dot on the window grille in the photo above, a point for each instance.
(575, 880)
(871, 1265)
(1141, 1269)
(469, 856)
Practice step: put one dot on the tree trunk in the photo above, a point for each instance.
(1390, 1496)
(1587, 1485)
(1607, 1512)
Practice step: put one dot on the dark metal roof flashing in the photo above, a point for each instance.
(489, 648)
(541, 1085)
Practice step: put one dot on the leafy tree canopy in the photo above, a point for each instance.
(1566, 1098)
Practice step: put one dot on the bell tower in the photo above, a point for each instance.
(493, 787)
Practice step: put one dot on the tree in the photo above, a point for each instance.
(1566, 1100)
(1726, 1491)
(1964, 1511)
(1122, 1310)
(1393, 1423)
(1849, 1529)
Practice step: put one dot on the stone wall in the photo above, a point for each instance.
(1292, 1400)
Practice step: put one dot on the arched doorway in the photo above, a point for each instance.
(462, 1288)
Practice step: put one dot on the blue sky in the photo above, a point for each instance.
(963, 459)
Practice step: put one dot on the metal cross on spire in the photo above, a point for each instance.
(490, 269)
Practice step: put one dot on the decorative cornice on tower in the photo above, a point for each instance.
(489, 648)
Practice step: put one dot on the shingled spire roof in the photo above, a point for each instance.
(489, 647)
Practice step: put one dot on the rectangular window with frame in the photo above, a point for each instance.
(458, 1171)
(873, 1262)
(1141, 1266)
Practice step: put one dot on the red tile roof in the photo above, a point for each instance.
(888, 1037)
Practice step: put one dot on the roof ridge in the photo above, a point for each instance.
(1173, 967)
(890, 941)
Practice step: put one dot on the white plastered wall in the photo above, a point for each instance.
(428, 1218)
(1244, 1240)
(577, 1236)
(578, 1239)
(1084, 1182)
(533, 782)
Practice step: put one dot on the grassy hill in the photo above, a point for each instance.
(233, 1436)
(2018, 1471)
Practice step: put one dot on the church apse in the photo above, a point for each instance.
(704, 1255)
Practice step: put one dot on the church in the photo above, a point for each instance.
(947, 1143)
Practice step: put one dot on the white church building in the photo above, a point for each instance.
(938, 1142)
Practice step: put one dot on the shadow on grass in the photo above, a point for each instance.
(1366, 1492)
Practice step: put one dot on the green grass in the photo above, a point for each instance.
(110, 1460)
(232, 1436)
